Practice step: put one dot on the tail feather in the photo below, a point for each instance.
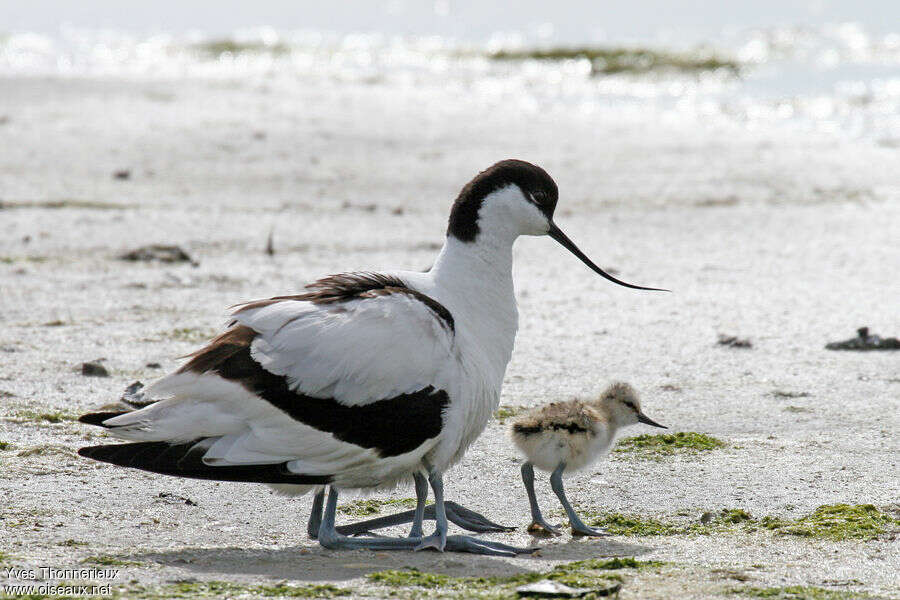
(98, 418)
(186, 460)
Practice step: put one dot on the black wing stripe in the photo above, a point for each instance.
(392, 426)
(185, 460)
(535, 429)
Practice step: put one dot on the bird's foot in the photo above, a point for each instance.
(336, 541)
(472, 545)
(460, 515)
(415, 532)
(471, 520)
(542, 528)
(454, 543)
(437, 540)
(582, 530)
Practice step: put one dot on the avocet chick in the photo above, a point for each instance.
(563, 437)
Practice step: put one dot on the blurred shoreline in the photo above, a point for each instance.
(835, 79)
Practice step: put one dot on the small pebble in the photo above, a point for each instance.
(93, 369)
(171, 498)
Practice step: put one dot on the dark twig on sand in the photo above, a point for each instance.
(270, 243)
(158, 252)
(864, 342)
(732, 341)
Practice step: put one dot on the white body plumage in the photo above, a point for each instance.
(358, 352)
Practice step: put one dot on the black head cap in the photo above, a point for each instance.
(538, 187)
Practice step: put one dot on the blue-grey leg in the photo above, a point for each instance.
(459, 543)
(330, 538)
(421, 496)
(538, 524)
(315, 515)
(578, 528)
(438, 539)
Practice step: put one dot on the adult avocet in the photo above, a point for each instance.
(364, 380)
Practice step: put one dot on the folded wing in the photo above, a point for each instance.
(320, 386)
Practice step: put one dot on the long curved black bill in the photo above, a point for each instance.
(648, 421)
(569, 245)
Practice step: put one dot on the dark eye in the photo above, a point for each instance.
(538, 197)
(630, 405)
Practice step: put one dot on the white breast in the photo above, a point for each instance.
(479, 294)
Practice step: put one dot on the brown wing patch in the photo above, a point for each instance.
(219, 350)
(347, 286)
(573, 416)
(353, 286)
(334, 288)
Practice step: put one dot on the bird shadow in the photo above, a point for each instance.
(582, 549)
(313, 563)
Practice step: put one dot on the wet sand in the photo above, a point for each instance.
(788, 240)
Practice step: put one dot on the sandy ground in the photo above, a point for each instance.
(789, 240)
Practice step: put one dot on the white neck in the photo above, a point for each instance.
(474, 281)
(487, 261)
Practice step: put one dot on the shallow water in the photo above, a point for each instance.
(822, 75)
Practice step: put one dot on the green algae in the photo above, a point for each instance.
(53, 416)
(5, 446)
(583, 574)
(605, 60)
(655, 446)
(413, 578)
(227, 46)
(110, 561)
(507, 412)
(797, 592)
(4, 596)
(213, 589)
(733, 516)
(630, 525)
(612, 564)
(370, 506)
(220, 589)
(835, 522)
